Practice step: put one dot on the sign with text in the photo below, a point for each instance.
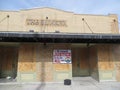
(47, 22)
(62, 56)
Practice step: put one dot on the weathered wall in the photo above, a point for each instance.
(97, 23)
(103, 59)
(116, 58)
(105, 63)
(93, 60)
(62, 71)
(8, 61)
(13, 23)
(114, 23)
(35, 63)
(44, 63)
(17, 21)
(84, 61)
(27, 63)
(80, 62)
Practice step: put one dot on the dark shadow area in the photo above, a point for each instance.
(84, 62)
(93, 62)
(8, 63)
(80, 63)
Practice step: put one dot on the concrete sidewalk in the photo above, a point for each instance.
(77, 84)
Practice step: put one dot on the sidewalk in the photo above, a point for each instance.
(77, 84)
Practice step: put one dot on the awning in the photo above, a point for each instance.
(58, 37)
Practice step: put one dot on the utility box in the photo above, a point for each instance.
(67, 82)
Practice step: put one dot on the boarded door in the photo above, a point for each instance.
(80, 62)
(8, 62)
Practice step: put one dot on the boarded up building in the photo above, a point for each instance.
(50, 45)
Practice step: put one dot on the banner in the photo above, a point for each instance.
(62, 56)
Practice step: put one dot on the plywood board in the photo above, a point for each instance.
(107, 75)
(105, 59)
(62, 46)
(62, 76)
(26, 77)
(26, 66)
(116, 57)
(27, 52)
(80, 61)
(8, 60)
(44, 63)
(27, 58)
(61, 67)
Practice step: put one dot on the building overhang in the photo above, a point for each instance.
(58, 37)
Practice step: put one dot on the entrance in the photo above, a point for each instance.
(80, 62)
(8, 62)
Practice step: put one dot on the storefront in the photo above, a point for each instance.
(50, 45)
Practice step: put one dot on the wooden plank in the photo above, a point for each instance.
(27, 52)
(61, 67)
(116, 57)
(27, 58)
(26, 66)
(105, 58)
(83, 54)
(8, 61)
(80, 61)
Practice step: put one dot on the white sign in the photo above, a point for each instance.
(62, 56)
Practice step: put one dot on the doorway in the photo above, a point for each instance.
(80, 62)
(8, 61)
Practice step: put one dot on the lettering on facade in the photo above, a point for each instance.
(46, 22)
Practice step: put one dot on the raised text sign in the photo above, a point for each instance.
(46, 22)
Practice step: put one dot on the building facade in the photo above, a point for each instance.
(50, 45)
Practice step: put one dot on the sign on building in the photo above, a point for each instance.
(39, 22)
(62, 56)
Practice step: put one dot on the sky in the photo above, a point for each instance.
(102, 7)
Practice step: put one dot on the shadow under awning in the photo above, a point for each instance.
(58, 37)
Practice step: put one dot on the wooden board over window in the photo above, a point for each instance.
(61, 67)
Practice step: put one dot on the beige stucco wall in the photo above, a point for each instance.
(74, 22)
(13, 23)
